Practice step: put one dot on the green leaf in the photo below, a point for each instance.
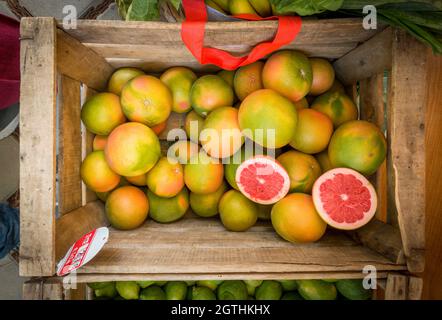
(143, 10)
(359, 4)
(306, 7)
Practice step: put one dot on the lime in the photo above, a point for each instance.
(175, 290)
(353, 289)
(232, 290)
(269, 290)
(317, 290)
(202, 293)
(129, 290)
(152, 293)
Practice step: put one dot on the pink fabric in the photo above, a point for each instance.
(9, 61)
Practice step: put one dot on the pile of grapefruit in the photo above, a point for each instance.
(274, 140)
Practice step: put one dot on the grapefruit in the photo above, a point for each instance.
(103, 195)
(268, 118)
(303, 170)
(233, 163)
(359, 145)
(120, 77)
(301, 104)
(289, 73)
(96, 173)
(132, 149)
(146, 99)
(237, 213)
(203, 174)
(228, 76)
(206, 205)
(165, 179)
(324, 161)
(323, 76)
(337, 106)
(221, 136)
(127, 208)
(102, 113)
(248, 79)
(210, 92)
(262, 179)
(344, 199)
(181, 151)
(313, 131)
(179, 80)
(165, 210)
(99, 143)
(139, 181)
(317, 290)
(296, 220)
(193, 124)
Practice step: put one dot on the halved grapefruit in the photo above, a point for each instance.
(262, 179)
(344, 199)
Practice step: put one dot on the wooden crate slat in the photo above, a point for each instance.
(370, 58)
(37, 146)
(81, 63)
(87, 139)
(382, 238)
(73, 225)
(372, 109)
(218, 33)
(69, 159)
(407, 143)
(195, 245)
(150, 53)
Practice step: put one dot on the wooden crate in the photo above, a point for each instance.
(384, 70)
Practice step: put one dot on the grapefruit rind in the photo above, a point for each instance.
(319, 205)
(276, 169)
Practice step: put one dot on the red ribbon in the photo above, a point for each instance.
(193, 28)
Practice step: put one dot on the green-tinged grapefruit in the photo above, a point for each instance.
(289, 73)
(102, 113)
(132, 149)
(165, 210)
(268, 118)
(313, 131)
(179, 80)
(96, 173)
(166, 178)
(237, 212)
(210, 92)
(323, 76)
(358, 145)
(146, 99)
(120, 77)
(203, 174)
(221, 136)
(248, 79)
(193, 124)
(206, 205)
(337, 106)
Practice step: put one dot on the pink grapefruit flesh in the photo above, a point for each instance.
(263, 180)
(344, 199)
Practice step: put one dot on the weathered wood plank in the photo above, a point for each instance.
(397, 287)
(372, 109)
(37, 146)
(87, 139)
(408, 98)
(433, 200)
(69, 158)
(218, 33)
(204, 247)
(77, 223)
(382, 238)
(81, 63)
(368, 59)
(43, 289)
